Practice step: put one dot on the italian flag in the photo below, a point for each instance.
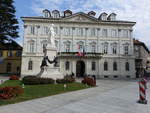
(81, 51)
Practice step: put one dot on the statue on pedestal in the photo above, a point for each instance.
(51, 38)
(51, 43)
(47, 69)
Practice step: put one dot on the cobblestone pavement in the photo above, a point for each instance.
(111, 96)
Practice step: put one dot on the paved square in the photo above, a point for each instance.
(111, 96)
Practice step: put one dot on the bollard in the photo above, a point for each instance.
(65, 86)
(2, 81)
(142, 91)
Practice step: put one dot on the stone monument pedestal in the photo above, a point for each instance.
(51, 71)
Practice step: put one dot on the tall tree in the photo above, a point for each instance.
(8, 21)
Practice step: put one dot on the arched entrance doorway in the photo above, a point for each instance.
(80, 68)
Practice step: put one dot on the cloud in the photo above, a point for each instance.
(133, 10)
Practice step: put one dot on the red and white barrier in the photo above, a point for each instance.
(142, 91)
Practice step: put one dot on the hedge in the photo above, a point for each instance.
(33, 80)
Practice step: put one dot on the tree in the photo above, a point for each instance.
(8, 21)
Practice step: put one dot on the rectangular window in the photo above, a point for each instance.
(93, 66)
(105, 66)
(46, 30)
(30, 65)
(8, 68)
(130, 34)
(9, 53)
(105, 51)
(86, 32)
(119, 33)
(113, 33)
(104, 33)
(126, 50)
(79, 31)
(67, 47)
(67, 65)
(1, 53)
(31, 47)
(67, 31)
(32, 30)
(18, 53)
(56, 30)
(93, 32)
(127, 66)
(125, 33)
(93, 48)
(114, 49)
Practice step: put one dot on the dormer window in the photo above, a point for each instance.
(91, 13)
(112, 17)
(55, 14)
(103, 16)
(46, 13)
(67, 13)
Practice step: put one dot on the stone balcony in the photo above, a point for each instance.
(75, 55)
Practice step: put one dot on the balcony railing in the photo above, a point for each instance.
(75, 55)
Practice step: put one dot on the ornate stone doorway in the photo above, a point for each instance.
(80, 68)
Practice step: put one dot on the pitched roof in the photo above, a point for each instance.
(11, 45)
(137, 42)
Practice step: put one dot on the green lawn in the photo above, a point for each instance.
(37, 91)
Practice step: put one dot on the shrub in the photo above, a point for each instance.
(46, 81)
(33, 80)
(89, 81)
(10, 92)
(13, 77)
(60, 81)
(66, 79)
(30, 80)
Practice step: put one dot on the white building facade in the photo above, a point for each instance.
(107, 43)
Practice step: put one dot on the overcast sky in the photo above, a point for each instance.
(131, 10)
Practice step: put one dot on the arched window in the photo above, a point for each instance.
(127, 66)
(103, 16)
(46, 13)
(30, 65)
(105, 66)
(67, 65)
(55, 14)
(8, 68)
(115, 66)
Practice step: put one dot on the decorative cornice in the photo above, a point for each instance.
(58, 20)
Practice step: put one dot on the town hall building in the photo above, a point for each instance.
(105, 42)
